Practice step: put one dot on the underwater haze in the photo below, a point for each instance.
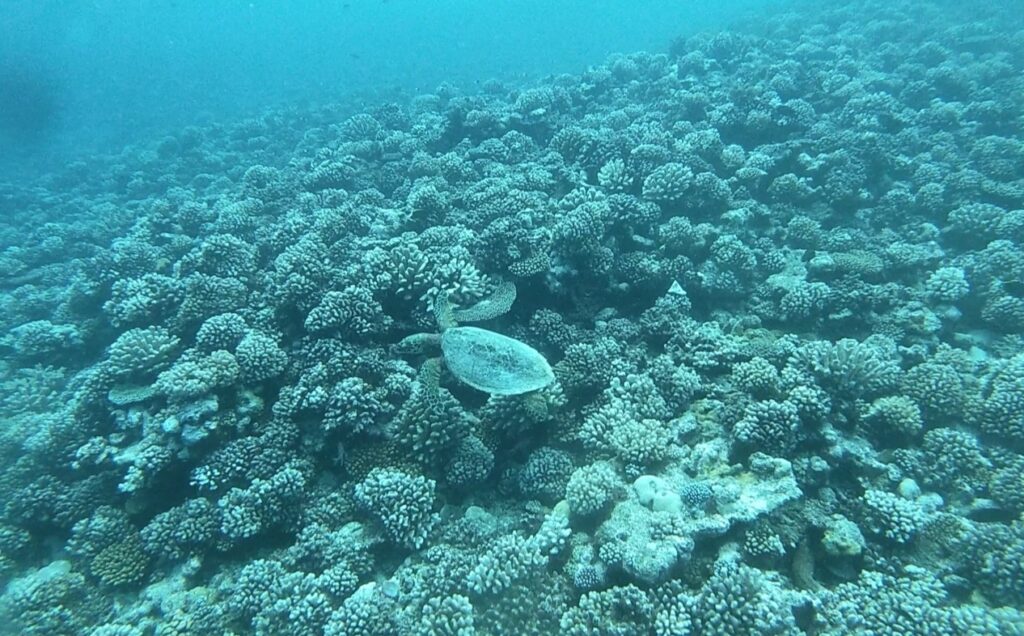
(86, 77)
(512, 318)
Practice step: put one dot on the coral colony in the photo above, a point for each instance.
(763, 372)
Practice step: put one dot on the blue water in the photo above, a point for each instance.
(98, 75)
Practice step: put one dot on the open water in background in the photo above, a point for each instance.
(80, 77)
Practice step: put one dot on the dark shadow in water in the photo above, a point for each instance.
(29, 104)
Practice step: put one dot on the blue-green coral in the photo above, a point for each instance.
(776, 269)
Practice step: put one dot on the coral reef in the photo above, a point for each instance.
(777, 273)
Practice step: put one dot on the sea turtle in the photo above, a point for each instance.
(483, 359)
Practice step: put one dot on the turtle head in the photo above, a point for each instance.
(418, 343)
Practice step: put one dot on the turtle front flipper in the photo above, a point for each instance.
(497, 304)
(444, 314)
(429, 376)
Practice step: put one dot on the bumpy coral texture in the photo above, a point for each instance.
(775, 269)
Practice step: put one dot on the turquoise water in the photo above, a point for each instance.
(112, 73)
(570, 318)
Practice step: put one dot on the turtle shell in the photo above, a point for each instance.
(494, 363)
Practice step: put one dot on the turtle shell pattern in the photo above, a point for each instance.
(494, 363)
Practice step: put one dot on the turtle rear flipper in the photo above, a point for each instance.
(497, 304)
(536, 405)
